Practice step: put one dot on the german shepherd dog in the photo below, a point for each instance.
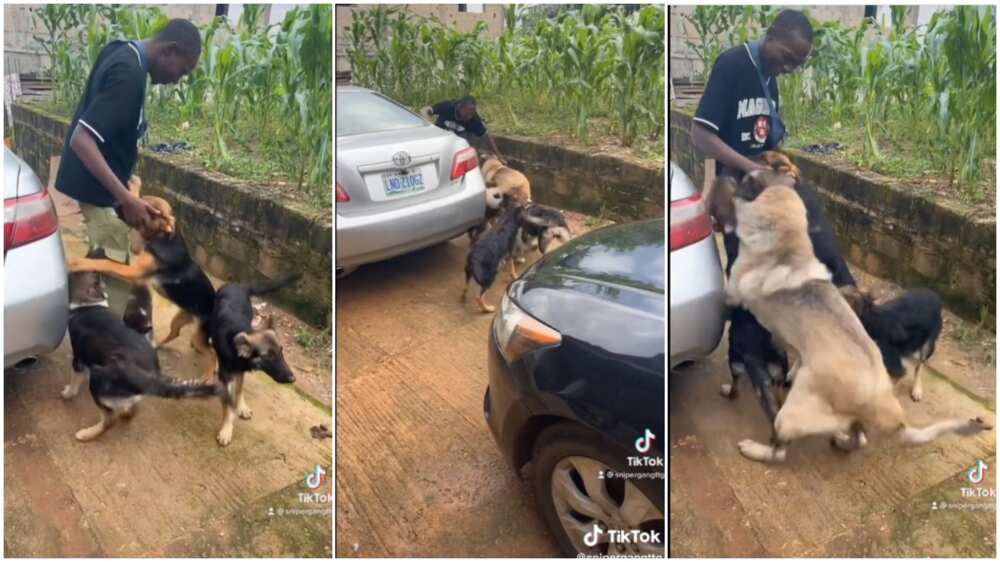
(841, 387)
(241, 346)
(906, 330)
(166, 262)
(507, 180)
(122, 364)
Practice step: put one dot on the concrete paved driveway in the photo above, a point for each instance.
(418, 473)
(159, 485)
(878, 502)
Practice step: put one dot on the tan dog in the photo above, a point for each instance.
(841, 387)
(507, 180)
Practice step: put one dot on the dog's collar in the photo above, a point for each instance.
(75, 305)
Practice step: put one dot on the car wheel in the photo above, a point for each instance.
(587, 512)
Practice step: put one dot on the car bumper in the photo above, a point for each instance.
(503, 404)
(371, 238)
(36, 302)
(697, 304)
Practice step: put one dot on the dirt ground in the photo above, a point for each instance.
(883, 501)
(159, 485)
(418, 473)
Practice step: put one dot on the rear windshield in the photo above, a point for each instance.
(366, 112)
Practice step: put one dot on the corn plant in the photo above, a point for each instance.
(572, 63)
(258, 93)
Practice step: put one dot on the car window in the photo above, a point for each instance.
(367, 112)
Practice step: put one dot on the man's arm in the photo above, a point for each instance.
(137, 212)
(496, 150)
(709, 143)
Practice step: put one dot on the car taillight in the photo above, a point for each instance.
(27, 219)
(689, 222)
(342, 196)
(464, 162)
(517, 333)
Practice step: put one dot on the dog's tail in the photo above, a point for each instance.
(270, 286)
(169, 387)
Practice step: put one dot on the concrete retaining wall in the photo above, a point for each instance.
(236, 230)
(574, 180)
(890, 229)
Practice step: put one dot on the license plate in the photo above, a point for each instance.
(397, 184)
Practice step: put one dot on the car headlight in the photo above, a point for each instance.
(517, 333)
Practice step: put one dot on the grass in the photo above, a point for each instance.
(975, 340)
(312, 340)
(531, 120)
(904, 158)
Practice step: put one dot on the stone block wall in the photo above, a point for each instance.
(891, 229)
(236, 230)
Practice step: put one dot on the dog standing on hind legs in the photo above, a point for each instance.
(841, 385)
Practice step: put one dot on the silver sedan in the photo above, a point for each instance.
(697, 308)
(402, 183)
(36, 303)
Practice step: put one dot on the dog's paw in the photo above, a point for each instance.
(244, 412)
(727, 390)
(978, 424)
(521, 259)
(917, 393)
(488, 308)
(225, 436)
(69, 392)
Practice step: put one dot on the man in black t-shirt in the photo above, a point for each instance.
(461, 118)
(101, 146)
(734, 121)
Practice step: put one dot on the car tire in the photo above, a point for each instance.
(566, 442)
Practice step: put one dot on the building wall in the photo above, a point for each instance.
(22, 54)
(449, 15)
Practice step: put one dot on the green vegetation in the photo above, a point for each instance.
(258, 106)
(909, 102)
(551, 72)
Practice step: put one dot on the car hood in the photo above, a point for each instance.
(605, 288)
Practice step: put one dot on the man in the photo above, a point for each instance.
(101, 147)
(734, 121)
(461, 118)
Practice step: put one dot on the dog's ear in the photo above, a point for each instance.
(243, 345)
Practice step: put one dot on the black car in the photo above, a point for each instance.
(575, 399)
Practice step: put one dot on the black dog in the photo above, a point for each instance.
(489, 252)
(751, 350)
(240, 346)
(905, 329)
(122, 365)
(496, 203)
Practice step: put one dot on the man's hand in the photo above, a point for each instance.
(138, 213)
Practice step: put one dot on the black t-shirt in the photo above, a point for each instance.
(448, 120)
(734, 105)
(112, 109)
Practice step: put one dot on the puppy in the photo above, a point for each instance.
(906, 330)
(242, 346)
(122, 365)
(166, 262)
(489, 252)
(507, 180)
(841, 387)
(542, 227)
